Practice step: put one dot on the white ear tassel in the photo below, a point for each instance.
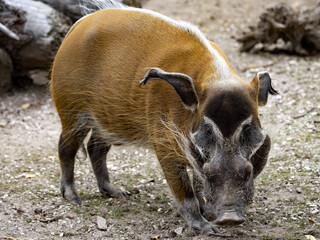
(261, 73)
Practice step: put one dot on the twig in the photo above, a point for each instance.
(56, 218)
(223, 235)
(8, 32)
(5, 237)
(259, 66)
(303, 114)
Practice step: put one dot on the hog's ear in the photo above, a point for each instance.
(260, 157)
(262, 84)
(182, 83)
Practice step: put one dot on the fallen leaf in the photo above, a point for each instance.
(20, 210)
(30, 175)
(205, 200)
(310, 221)
(25, 106)
(310, 237)
(53, 219)
(155, 237)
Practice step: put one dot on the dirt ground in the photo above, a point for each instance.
(287, 200)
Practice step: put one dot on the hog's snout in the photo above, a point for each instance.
(229, 219)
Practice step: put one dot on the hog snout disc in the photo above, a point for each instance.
(230, 218)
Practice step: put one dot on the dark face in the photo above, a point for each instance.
(232, 150)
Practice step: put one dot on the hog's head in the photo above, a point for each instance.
(231, 148)
(227, 140)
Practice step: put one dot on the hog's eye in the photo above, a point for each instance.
(251, 135)
(208, 131)
(247, 129)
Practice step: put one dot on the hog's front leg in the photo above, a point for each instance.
(179, 183)
(206, 209)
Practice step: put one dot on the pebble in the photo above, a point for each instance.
(102, 223)
(178, 230)
(38, 210)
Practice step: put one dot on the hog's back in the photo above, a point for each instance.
(99, 64)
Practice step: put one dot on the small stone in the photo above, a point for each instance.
(172, 234)
(38, 210)
(178, 230)
(251, 211)
(25, 106)
(20, 210)
(39, 77)
(102, 223)
(298, 190)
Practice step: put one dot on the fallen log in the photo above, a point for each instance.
(282, 29)
(31, 35)
(73, 10)
(31, 32)
(6, 68)
(8, 32)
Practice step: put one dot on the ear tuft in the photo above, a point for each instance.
(265, 87)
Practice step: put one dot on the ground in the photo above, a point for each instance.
(287, 198)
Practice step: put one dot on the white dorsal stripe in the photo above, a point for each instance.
(218, 61)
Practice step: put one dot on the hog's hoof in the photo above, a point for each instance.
(69, 192)
(109, 190)
(203, 228)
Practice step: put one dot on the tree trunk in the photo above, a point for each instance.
(40, 30)
(31, 32)
(72, 9)
(6, 68)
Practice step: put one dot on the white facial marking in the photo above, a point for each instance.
(236, 135)
(216, 130)
(264, 135)
(234, 140)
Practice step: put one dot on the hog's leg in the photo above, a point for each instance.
(98, 150)
(198, 188)
(68, 147)
(179, 183)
